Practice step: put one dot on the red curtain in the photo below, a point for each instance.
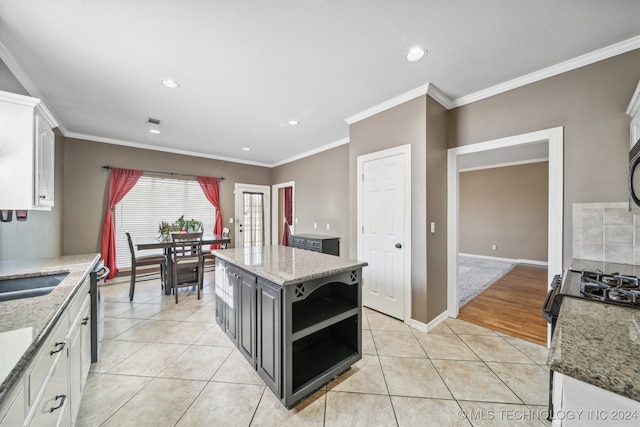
(120, 182)
(288, 214)
(211, 188)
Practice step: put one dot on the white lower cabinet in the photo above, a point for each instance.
(576, 403)
(47, 382)
(15, 413)
(50, 391)
(79, 356)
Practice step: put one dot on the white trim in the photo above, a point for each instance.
(238, 202)
(437, 321)
(511, 260)
(554, 137)
(162, 149)
(386, 105)
(428, 327)
(312, 152)
(632, 109)
(554, 70)
(416, 324)
(275, 239)
(502, 165)
(440, 97)
(404, 150)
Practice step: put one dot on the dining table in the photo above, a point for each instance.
(166, 244)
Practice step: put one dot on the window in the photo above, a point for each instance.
(253, 218)
(153, 200)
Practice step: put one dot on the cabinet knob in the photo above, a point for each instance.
(42, 196)
(399, 245)
(85, 320)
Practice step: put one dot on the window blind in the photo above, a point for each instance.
(153, 200)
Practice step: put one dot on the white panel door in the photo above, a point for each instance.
(383, 231)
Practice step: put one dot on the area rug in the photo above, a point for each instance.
(477, 274)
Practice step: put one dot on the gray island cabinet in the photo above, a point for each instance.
(295, 315)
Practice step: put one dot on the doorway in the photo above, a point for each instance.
(517, 148)
(384, 230)
(279, 212)
(253, 218)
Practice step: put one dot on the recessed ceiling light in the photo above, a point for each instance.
(170, 83)
(294, 122)
(154, 131)
(246, 149)
(415, 54)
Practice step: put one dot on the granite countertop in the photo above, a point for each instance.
(26, 323)
(599, 344)
(285, 266)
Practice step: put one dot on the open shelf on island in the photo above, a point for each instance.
(324, 306)
(322, 350)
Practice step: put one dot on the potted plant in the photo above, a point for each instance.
(193, 226)
(165, 229)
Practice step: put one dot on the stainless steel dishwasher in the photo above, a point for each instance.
(97, 309)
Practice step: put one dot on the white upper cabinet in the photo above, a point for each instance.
(27, 149)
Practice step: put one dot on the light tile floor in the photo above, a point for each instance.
(164, 364)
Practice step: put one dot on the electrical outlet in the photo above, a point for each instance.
(494, 247)
(230, 220)
(315, 225)
(327, 226)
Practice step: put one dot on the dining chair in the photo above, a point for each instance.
(141, 261)
(208, 254)
(188, 262)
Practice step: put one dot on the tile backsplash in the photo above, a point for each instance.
(606, 232)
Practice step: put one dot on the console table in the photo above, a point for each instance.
(316, 242)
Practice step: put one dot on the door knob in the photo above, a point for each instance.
(398, 245)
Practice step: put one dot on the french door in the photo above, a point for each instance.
(252, 219)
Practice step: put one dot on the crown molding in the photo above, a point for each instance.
(162, 149)
(393, 102)
(312, 152)
(554, 70)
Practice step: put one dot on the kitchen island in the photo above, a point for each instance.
(295, 315)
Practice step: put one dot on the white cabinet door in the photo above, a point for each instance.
(44, 163)
(576, 403)
(79, 353)
(27, 145)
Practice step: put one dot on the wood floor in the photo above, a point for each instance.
(512, 305)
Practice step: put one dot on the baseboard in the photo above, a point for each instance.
(424, 327)
(512, 260)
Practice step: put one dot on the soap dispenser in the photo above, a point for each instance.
(6, 215)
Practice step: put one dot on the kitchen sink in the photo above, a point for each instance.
(26, 287)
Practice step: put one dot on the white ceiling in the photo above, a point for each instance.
(246, 68)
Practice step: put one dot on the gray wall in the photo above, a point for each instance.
(506, 207)
(436, 187)
(86, 184)
(41, 235)
(590, 102)
(321, 193)
(401, 125)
